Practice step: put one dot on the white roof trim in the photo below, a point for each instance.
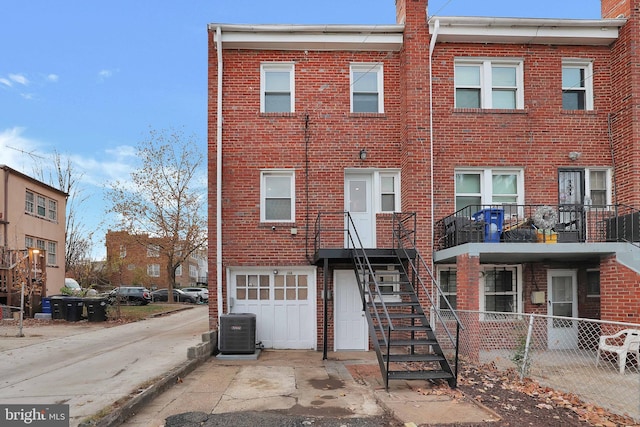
(311, 37)
(600, 32)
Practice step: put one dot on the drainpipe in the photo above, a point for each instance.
(219, 177)
(5, 208)
(432, 46)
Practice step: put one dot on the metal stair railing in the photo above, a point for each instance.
(405, 241)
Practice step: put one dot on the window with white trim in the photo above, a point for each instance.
(499, 290)
(598, 186)
(277, 83)
(577, 84)
(449, 286)
(39, 205)
(123, 251)
(153, 270)
(53, 210)
(179, 270)
(28, 242)
(42, 205)
(478, 187)
(389, 191)
(489, 83)
(51, 253)
(193, 271)
(367, 88)
(29, 201)
(277, 196)
(153, 251)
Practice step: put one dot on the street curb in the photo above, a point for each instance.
(196, 356)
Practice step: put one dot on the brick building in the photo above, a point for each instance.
(140, 261)
(510, 144)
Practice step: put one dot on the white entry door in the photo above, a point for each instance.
(359, 203)
(562, 301)
(349, 321)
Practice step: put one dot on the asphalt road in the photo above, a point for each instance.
(95, 366)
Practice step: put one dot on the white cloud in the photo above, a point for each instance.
(19, 78)
(5, 82)
(53, 78)
(106, 74)
(18, 151)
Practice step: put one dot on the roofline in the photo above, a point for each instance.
(464, 29)
(31, 179)
(309, 37)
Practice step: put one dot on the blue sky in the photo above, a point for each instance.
(89, 79)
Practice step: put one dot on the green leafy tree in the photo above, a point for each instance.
(165, 198)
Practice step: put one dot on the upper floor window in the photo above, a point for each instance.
(193, 271)
(477, 187)
(123, 251)
(367, 89)
(277, 196)
(577, 85)
(597, 186)
(29, 202)
(179, 270)
(153, 251)
(53, 210)
(277, 88)
(153, 270)
(489, 83)
(42, 206)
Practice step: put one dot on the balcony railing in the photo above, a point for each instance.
(538, 223)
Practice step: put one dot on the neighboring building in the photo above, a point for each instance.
(32, 238)
(139, 260)
(528, 121)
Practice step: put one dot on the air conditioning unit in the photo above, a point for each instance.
(237, 333)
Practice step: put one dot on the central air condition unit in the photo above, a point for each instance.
(237, 333)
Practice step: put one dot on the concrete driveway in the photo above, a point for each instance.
(90, 366)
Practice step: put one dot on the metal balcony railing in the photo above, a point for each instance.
(538, 223)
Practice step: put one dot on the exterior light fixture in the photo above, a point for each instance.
(363, 154)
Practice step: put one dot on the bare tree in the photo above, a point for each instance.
(78, 243)
(164, 199)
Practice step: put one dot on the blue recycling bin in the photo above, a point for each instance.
(493, 219)
(46, 305)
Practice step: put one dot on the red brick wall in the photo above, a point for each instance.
(620, 292)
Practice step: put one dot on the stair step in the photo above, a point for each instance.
(419, 341)
(395, 358)
(419, 375)
(417, 328)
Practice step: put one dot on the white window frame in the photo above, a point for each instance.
(193, 271)
(179, 270)
(41, 206)
(153, 251)
(449, 269)
(153, 270)
(587, 184)
(517, 276)
(372, 67)
(279, 67)
(282, 173)
(486, 184)
(486, 84)
(53, 210)
(587, 66)
(383, 276)
(51, 253)
(396, 190)
(29, 202)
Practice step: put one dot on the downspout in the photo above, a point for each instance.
(219, 177)
(5, 209)
(432, 46)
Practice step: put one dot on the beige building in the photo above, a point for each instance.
(32, 238)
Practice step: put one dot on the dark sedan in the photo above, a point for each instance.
(178, 296)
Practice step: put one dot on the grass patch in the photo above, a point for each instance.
(132, 313)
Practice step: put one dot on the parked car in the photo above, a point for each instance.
(135, 295)
(178, 296)
(202, 294)
(72, 287)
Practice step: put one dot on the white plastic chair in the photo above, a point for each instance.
(631, 344)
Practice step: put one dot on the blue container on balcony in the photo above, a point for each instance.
(493, 219)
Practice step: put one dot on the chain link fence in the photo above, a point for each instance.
(10, 324)
(596, 360)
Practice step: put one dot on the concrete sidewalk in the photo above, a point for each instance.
(301, 383)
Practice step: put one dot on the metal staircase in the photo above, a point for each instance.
(396, 285)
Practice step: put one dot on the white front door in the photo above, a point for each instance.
(562, 301)
(359, 203)
(349, 321)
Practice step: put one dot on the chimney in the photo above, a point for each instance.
(611, 9)
(411, 12)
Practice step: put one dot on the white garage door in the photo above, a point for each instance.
(283, 301)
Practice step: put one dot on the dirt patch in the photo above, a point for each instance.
(518, 403)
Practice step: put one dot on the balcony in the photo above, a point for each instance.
(530, 233)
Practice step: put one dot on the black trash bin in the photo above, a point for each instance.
(74, 309)
(58, 306)
(96, 309)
